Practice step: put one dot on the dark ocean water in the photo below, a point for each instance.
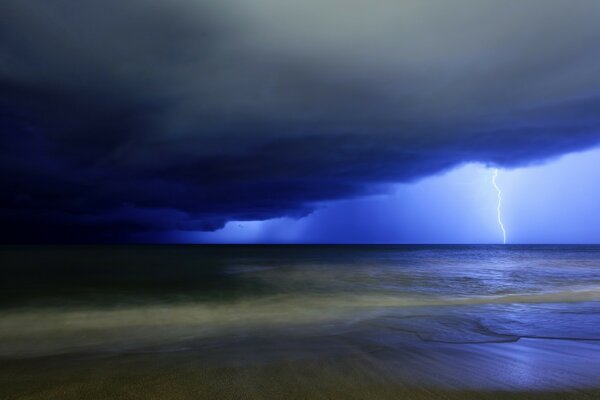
(259, 303)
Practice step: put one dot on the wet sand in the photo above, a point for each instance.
(327, 368)
(300, 323)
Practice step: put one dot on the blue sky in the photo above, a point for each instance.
(554, 202)
(125, 121)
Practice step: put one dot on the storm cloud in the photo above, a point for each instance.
(120, 117)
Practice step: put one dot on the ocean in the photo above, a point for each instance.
(323, 321)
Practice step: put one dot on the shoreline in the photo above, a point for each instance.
(528, 369)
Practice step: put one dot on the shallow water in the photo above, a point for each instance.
(512, 317)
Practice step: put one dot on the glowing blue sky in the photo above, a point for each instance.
(125, 121)
(555, 202)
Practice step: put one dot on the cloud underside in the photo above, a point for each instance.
(120, 117)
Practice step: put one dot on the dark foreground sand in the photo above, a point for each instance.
(302, 323)
(454, 373)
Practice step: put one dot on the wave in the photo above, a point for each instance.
(33, 331)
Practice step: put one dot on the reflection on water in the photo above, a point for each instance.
(432, 306)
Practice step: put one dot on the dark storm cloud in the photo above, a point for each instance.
(118, 117)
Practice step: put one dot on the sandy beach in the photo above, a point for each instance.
(300, 323)
(494, 371)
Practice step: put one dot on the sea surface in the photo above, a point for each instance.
(508, 318)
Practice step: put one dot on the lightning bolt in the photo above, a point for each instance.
(499, 208)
